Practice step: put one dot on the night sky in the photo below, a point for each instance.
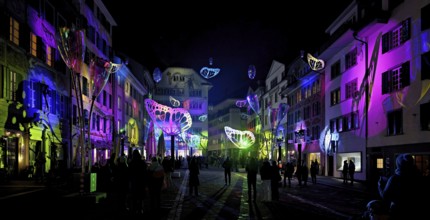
(234, 34)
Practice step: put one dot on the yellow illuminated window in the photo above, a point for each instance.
(48, 55)
(14, 31)
(380, 163)
(33, 44)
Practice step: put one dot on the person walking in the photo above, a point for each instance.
(156, 179)
(194, 181)
(138, 182)
(251, 171)
(275, 177)
(314, 170)
(305, 173)
(288, 173)
(168, 166)
(345, 172)
(227, 170)
(351, 171)
(265, 175)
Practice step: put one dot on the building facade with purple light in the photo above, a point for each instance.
(37, 100)
(376, 85)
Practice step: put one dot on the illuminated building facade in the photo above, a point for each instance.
(305, 98)
(381, 112)
(191, 90)
(37, 102)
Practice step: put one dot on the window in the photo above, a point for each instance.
(425, 17)
(425, 66)
(335, 97)
(351, 89)
(395, 122)
(13, 85)
(396, 79)
(85, 86)
(335, 70)
(379, 163)
(399, 35)
(424, 116)
(33, 44)
(273, 83)
(351, 58)
(14, 31)
(48, 55)
(119, 103)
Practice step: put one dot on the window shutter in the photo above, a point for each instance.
(385, 80)
(24, 36)
(405, 74)
(385, 42)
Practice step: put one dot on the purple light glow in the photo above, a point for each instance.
(253, 103)
(41, 28)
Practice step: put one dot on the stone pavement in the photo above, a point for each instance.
(328, 199)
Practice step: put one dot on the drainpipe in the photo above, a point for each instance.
(366, 92)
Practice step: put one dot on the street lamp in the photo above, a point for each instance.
(299, 134)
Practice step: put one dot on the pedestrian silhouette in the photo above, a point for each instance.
(155, 183)
(275, 178)
(288, 173)
(227, 170)
(345, 171)
(252, 170)
(265, 175)
(402, 189)
(138, 182)
(305, 173)
(351, 171)
(194, 181)
(314, 171)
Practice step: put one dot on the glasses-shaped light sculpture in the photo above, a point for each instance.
(241, 139)
(172, 121)
(100, 71)
(174, 102)
(71, 46)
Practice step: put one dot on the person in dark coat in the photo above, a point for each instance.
(288, 173)
(265, 175)
(305, 173)
(138, 182)
(314, 171)
(345, 171)
(194, 181)
(227, 170)
(155, 183)
(275, 177)
(351, 171)
(402, 189)
(251, 171)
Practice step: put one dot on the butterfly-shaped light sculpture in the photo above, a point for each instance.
(314, 63)
(174, 102)
(241, 103)
(241, 139)
(172, 121)
(209, 72)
